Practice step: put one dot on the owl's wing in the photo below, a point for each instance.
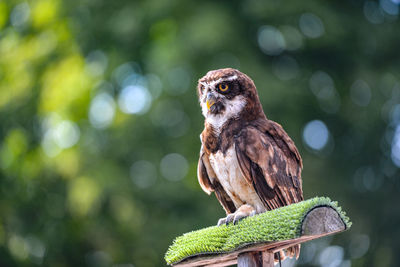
(208, 183)
(269, 161)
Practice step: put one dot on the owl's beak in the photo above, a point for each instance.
(210, 103)
(211, 99)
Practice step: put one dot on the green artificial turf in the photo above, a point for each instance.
(279, 224)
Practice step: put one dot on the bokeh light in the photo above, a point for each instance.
(311, 25)
(308, 252)
(373, 13)
(331, 256)
(20, 15)
(367, 179)
(322, 85)
(66, 134)
(271, 40)
(315, 135)
(155, 85)
(143, 174)
(96, 62)
(395, 153)
(36, 249)
(391, 7)
(174, 167)
(395, 115)
(360, 93)
(58, 135)
(293, 38)
(359, 245)
(134, 100)
(102, 110)
(18, 247)
(124, 72)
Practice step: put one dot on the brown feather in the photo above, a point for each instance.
(273, 171)
(223, 198)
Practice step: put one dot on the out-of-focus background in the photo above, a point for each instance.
(100, 123)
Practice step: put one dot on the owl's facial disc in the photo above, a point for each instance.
(215, 94)
(221, 97)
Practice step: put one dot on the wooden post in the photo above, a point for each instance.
(255, 259)
(319, 222)
(267, 259)
(250, 259)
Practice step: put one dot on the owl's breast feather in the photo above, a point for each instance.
(227, 170)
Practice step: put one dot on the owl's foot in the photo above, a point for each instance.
(242, 212)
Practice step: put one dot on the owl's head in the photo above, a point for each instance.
(227, 93)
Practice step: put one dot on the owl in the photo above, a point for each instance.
(247, 160)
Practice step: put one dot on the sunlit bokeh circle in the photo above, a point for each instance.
(134, 99)
(102, 110)
(315, 135)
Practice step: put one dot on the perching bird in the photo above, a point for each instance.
(248, 161)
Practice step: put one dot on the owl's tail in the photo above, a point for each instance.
(292, 252)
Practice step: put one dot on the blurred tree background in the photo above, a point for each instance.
(99, 121)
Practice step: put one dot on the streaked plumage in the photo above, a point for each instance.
(248, 161)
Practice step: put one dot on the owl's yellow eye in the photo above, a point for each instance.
(223, 87)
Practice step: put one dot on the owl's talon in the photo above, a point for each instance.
(221, 221)
(226, 220)
(229, 218)
(241, 213)
(239, 216)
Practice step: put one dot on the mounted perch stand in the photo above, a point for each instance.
(254, 240)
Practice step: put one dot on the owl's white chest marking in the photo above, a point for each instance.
(227, 169)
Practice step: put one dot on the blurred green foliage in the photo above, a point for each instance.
(99, 121)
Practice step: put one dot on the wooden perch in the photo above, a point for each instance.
(254, 240)
(319, 222)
